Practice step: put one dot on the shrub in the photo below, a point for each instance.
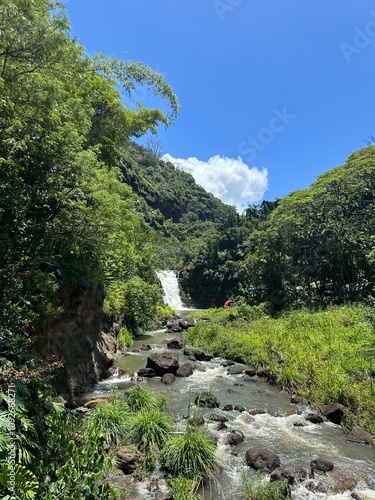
(191, 455)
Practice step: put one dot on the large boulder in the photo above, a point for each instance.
(185, 370)
(321, 464)
(262, 459)
(163, 362)
(359, 435)
(334, 412)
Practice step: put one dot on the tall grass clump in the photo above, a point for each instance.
(139, 399)
(190, 455)
(108, 419)
(124, 339)
(149, 429)
(184, 489)
(259, 488)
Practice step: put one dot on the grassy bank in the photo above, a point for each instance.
(325, 356)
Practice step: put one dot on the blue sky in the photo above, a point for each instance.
(273, 92)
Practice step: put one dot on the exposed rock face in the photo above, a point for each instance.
(262, 459)
(128, 458)
(163, 362)
(78, 337)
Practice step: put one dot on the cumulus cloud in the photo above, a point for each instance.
(230, 179)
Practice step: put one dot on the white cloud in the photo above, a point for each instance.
(229, 179)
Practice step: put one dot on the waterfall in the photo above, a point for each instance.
(171, 290)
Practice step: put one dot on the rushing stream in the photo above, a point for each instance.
(275, 429)
(277, 425)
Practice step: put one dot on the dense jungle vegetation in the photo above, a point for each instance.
(83, 206)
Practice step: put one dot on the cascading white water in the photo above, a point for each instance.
(171, 290)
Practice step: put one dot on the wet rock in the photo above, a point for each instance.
(196, 420)
(257, 411)
(100, 400)
(227, 408)
(163, 362)
(295, 399)
(298, 424)
(340, 481)
(168, 378)
(235, 370)
(207, 400)
(253, 378)
(321, 464)
(262, 373)
(173, 327)
(221, 426)
(250, 372)
(239, 408)
(282, 474)
(314, 418)
(235, 437)
(217, 417)
(359, 435)
(316, 487)
(202, 356)
(334, 412)
(146, 372)
(262, 459)
(186, 322)
(227, 362)
(185, 370)
(145, 347)
(176, 343)
(128, 459)
(301, 474)
(355, 496)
